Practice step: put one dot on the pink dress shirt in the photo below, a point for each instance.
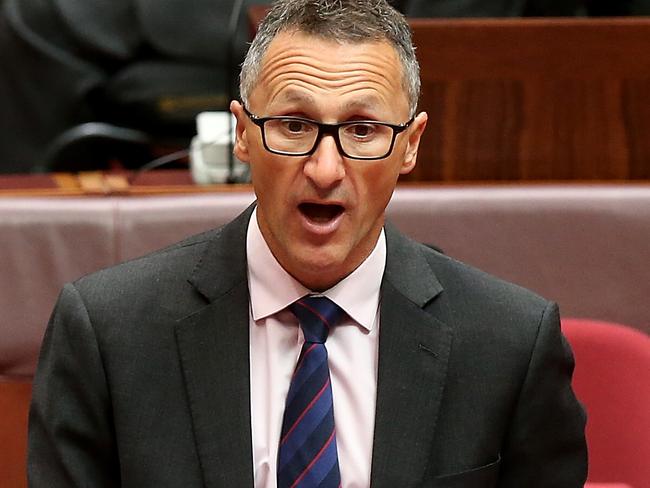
(275, 342)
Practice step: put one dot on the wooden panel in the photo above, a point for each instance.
(636, 114)
(534, 98)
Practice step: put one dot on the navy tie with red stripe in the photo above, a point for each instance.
(307, 455)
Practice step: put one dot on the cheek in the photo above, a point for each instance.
(384, 176)
(273, 180)
(376, 187)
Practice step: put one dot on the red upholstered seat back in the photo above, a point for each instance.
(612, 379)
(15, 395)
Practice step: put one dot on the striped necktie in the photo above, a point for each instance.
(307, 455)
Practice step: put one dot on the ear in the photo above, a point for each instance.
(240, 149)
(414, 135)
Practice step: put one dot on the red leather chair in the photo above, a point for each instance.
(612, 379)
(606, 485)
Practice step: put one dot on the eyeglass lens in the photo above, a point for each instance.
(363, 139)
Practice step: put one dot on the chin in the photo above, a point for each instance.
(321, 267)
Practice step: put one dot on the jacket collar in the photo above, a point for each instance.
(213, 346)
(414, 349)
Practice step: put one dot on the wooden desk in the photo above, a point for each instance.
(156, 182)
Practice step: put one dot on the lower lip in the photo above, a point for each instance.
(321, 228)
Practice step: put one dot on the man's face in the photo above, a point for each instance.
(321, 214)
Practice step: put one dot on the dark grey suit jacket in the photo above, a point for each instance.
(143, 379)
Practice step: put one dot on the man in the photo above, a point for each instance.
(185, 367)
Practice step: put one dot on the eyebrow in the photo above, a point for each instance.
(295, 97)
(368, 103)
(363, 103)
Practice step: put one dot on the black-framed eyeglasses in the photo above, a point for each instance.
(355, 139)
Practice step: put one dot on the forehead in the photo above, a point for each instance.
(299, 67)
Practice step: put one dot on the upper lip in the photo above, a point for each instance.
(322, 202)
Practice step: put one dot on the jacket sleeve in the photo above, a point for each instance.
(71, 434)
(545, 446)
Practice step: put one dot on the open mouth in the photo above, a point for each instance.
(320, 213)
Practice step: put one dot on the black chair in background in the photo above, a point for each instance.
(87, 85)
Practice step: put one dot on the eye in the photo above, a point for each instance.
(295, 126)
(361, 131)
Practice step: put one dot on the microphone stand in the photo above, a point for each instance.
(230, 80)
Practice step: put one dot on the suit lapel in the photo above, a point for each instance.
(414, 347)
(213, 345)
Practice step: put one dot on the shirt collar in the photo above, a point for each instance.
(272, 289)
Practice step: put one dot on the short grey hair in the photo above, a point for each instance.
(353, 21)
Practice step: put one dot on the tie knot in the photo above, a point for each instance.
(316, 315)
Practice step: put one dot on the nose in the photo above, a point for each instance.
(325, 166)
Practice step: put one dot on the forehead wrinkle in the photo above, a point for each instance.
(328, 70)
(342, 81)
(277, 94)
(333, 83)
(290, 66)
